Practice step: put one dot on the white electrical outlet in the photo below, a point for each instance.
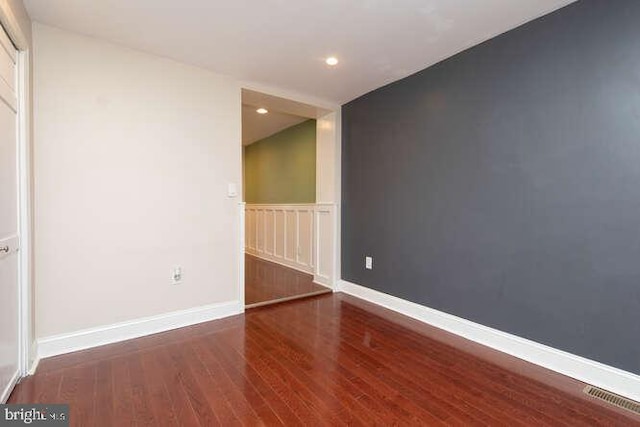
(368, 263)
(176, 275)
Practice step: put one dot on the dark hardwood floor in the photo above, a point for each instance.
(327, 360)
(267, 282)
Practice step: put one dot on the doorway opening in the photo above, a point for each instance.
(289, 156)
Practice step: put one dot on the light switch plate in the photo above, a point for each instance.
(232, 190)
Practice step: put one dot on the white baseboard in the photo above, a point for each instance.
(322, 280)
(35, 359)
(591, 372)
(9, 388)
(34, 365)
(93, 337)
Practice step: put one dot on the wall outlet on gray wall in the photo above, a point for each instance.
(368, 263)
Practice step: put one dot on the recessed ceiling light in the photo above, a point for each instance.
(332, 60)
(262, 111)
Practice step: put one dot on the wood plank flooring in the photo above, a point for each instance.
(267, 282)
(328, 360)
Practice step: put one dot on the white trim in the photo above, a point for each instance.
(24, 197)
(36, 360)
(591, 372)
(319, 237)
(9, 388)
(241, 267)
(337, 243)
(322, 281)
(93, 337)
(324, 274)
(262, 221)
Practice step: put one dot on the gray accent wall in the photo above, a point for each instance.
(502, 185)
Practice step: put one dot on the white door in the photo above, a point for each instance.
(9, 313)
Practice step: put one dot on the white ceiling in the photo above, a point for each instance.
(283, 43)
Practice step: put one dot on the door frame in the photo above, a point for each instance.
(334, 189)
(26, 348)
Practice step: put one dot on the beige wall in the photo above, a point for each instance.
(133, 154)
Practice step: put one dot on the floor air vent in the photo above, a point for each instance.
(614, 399)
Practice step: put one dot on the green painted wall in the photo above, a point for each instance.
(281, 169)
